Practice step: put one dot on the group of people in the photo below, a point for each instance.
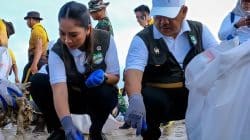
(83, 66)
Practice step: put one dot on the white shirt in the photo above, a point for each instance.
(5, 62)
(227, 28)
(57, 68)
(137, 57)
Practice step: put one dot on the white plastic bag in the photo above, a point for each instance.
(83, 123)
(218, 105)
(5, 63)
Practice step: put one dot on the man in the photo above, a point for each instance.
(142, 14)
(97, 9)
(38, 43)
(158, 55)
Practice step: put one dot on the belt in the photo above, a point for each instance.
(166, 85)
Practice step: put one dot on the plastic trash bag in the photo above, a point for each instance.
(83, 123)
(218, 103)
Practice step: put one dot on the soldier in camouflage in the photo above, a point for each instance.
(97, 9)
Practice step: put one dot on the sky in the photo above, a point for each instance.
(121, 13)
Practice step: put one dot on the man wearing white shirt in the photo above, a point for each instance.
(155, 66)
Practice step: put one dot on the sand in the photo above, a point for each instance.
(175, 131)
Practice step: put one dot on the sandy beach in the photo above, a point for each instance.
(175, 131)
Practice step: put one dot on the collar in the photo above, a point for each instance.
(35, 25)
(151, 21)
(75, 52)
(184, 27)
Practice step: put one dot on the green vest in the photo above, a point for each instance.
(162, 67)
(96, 59)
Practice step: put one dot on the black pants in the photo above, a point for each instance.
(98, 102)
(27, 75)
(163, 105)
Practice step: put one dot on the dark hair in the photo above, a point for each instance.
(79, 13)
(142, 8)
(76, 11)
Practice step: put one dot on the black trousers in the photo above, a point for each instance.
(98, 102)
(163, 105)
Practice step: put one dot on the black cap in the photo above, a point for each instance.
(33, 14)
(95, 5)
(9, 28)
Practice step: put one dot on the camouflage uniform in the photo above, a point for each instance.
(105, 24)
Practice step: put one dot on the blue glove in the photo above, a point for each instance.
(136, 113)
(96, 78)
(229, 37)
(71, 132)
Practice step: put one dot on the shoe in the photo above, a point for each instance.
(57, 134)
(102, 137)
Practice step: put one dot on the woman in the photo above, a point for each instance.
(83, 69)
(237, 22)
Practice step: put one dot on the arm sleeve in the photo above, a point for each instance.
(39, 33)
(208, 39)
(227, 28)
(111, 58)
(56, 69)
(137, 56)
